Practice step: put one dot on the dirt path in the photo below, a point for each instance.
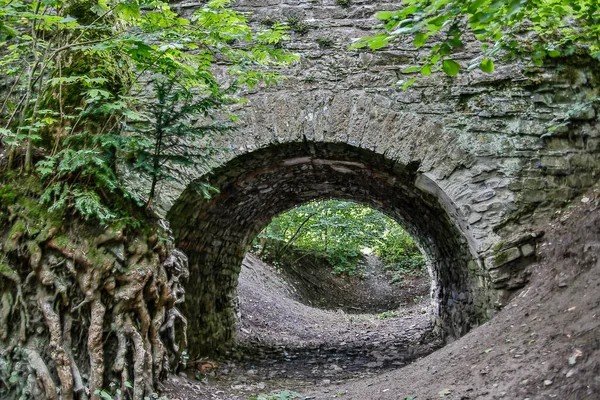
(284, 343)
(545, 344)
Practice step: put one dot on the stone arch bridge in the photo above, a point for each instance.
(466, 165)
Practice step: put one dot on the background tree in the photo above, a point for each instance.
(73, 66)
(340, 231)
(169, 138)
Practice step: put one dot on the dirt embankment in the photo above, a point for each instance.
(274, 325)
(311, 282)
(284, 343)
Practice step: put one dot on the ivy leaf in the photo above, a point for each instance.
(450, 67)
(409, 83)
(487, 65)
(426, 70)
(420, 40)
(384, 15)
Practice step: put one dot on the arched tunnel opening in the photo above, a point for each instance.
(333, 255)
(216, 233)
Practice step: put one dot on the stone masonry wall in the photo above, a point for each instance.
(482, 166)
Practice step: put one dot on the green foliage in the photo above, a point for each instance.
(340, 231)
(535, 29)
(170, 136)
(388, 314)
(74, 71)
(399, 254)
(7, 195)
(324, 42)
(114, 392)
(297, 25)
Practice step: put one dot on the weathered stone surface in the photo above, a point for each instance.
(527, 250)
(459, 162)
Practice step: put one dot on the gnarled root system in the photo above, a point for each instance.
(83, 311)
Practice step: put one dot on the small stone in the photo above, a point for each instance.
(585, 199)
(547, 382)
(527, 250)
(182, 374)
(524, 381)
(475, 217)
(570, 373)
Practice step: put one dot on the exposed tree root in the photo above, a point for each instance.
(86, 311)
(57, 351)
(43, 375)
(94, 343)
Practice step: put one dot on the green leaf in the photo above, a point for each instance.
(450, 67)
(104, 394)
(409, 83)
(554, 53)
(420, 40)
(487, 65)
(426, 70)
(378, 41)
(411, 69)
(455, 42)
(384, 15)
(128, 10)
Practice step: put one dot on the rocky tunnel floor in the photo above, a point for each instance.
(284, 344)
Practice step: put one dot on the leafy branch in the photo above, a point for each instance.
(73, 69)
(535, 29)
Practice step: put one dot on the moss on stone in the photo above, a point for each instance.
(498, 247)
(18, 229)
(8, 195)
(500, 258)
(5, 269)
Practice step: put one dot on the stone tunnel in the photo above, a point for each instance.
(217, 233)
(467, 165)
